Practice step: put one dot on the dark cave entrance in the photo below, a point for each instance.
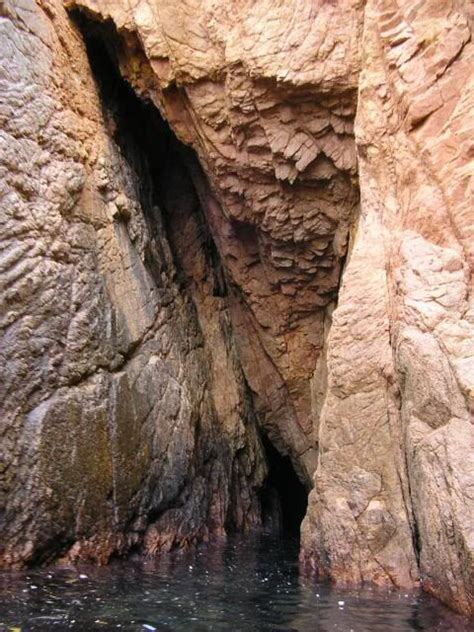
(284, 498)
(167, 178)
(167, 174)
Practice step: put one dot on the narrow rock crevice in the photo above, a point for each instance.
(274, 244)
(284, 497)
(165, 169)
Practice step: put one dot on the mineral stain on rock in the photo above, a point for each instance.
(236, 283)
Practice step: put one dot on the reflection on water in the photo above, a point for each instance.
(244, 584)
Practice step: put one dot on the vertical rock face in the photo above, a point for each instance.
(125, 413)
(280, 156)
(396, 435)
(162, 308)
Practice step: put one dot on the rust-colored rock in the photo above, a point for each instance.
(396, 434)
(113, 415)
(300, 279)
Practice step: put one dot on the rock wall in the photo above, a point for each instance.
(280, 156)
(166, 317)
(125, 414)
(400, 352)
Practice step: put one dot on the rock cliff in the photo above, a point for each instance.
(232, 231)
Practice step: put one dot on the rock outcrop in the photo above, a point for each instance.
(400, 351)
(228, 219)
(126, 417)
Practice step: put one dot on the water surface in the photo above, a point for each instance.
(242, 584)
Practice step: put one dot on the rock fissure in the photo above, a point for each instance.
(174, 188)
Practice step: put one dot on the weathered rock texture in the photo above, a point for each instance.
(125, 413)
(156, 319)
(396, 436)
(280, 155)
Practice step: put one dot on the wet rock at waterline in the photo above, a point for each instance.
(242, 583)
(237, 240)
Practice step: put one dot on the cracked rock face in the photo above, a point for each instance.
(279, 153)
(115, 427)
(292, 256)
(396, 437)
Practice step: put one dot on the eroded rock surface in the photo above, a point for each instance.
(125, 414)
(400, 352)
(279, 152)
(165, 312)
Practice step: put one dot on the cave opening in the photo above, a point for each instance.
(168, 179)
(284, 497)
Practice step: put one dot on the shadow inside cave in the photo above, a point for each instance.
(167, 174)
(284, 498)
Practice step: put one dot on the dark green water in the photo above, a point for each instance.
(249, 584)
